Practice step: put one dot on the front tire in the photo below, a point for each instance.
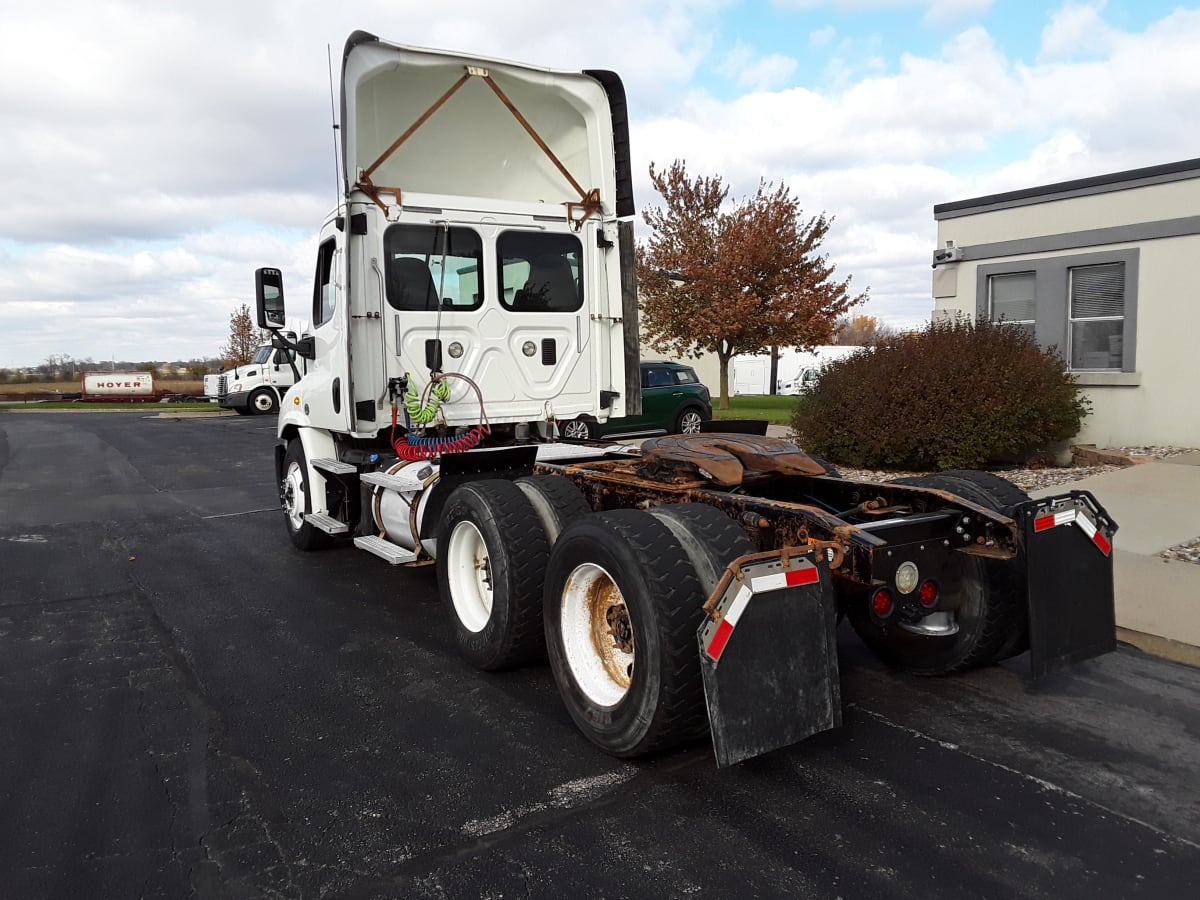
(262, 402)
(492, 554)
(689, 421)
(622, 607)
(296, 499)
(579, 430)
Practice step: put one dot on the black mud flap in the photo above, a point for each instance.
(768, 654)
(1067, 540)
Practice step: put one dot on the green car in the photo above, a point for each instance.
(673, 402)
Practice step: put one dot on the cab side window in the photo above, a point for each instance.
(323, 289)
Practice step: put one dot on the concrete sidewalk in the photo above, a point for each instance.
(1156, 506)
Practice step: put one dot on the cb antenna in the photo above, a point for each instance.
(337, 172)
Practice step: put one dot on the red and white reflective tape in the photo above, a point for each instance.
(1066, 517)
(807, 573)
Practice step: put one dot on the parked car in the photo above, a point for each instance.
(673, 402)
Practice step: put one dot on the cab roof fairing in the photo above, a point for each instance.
(472, 145)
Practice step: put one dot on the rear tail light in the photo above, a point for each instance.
(882, 603)
(928, 595)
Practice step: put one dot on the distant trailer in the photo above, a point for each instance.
(122, 387)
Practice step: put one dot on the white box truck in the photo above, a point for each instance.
(474, 287)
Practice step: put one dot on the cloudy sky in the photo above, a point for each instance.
(155, 153)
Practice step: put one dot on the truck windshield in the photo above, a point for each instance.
(263, 354)
(428, 264)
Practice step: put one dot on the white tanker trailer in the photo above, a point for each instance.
(123, 387)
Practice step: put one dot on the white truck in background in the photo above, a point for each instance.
(255, 388)
(804, 367)
(476, 286)
(795, 370)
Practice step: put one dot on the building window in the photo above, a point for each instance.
(1083, 304)
(1097, 316)
(1012, 299)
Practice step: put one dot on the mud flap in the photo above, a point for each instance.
(768, 654)
(1069, 579)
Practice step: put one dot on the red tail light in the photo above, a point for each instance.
(928, 595)
(882, 603)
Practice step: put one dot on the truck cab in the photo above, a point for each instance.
(256, 387)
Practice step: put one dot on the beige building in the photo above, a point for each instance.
(1101, 268)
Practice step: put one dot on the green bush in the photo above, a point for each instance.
(956, 395)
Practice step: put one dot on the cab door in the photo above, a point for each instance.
(326, 394)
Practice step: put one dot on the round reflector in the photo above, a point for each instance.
(881, 603)
(928, 594)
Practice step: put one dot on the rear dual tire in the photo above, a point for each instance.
(623, 602)
(493, 547)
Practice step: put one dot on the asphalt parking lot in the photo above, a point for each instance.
(191, 707)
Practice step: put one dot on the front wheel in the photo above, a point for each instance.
(689, 422)
(622, 606)
(296, 499)
(263, 402)
(579, 430)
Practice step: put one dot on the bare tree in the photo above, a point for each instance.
(244, 338)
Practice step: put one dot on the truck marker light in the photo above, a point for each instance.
(881, 603)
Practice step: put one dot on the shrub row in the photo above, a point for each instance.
(958, 394)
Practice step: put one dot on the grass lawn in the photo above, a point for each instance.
(776, 410)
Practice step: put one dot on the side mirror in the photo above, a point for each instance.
(268, 293)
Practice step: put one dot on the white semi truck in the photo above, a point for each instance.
(474, 287)
(256, 387)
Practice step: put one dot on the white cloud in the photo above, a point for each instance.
(945, 13)
(823, 37)
(756, 73)
(1077, 30)
(155, 154)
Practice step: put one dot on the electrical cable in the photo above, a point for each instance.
(411, 447)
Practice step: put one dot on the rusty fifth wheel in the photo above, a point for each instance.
(623, 603)
(492, 553)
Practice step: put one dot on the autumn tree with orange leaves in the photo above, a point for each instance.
(737, 279)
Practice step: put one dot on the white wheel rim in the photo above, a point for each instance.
(691, 423)
(263, 402)
(293, 496)
(596, 635)
(469, 571)
(575, 430)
